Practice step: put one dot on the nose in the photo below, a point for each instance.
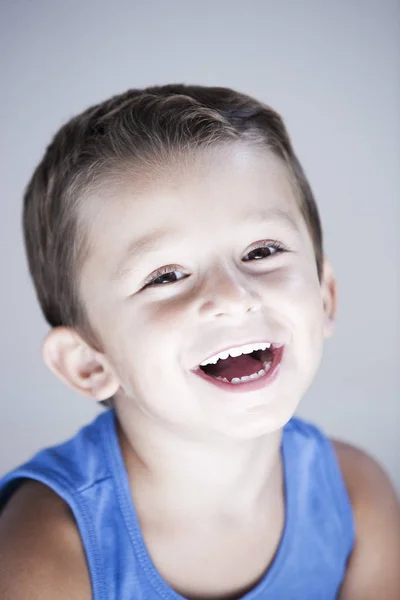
(228, 295)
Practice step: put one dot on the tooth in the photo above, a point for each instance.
(235, 352)
(265, 346)
(209, 361)
(248, 349)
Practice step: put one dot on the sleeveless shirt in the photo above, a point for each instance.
(89, 473)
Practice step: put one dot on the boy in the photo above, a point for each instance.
(177, 254)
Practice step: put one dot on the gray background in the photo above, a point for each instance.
(331, 68)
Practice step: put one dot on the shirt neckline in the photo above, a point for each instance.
(128, 510)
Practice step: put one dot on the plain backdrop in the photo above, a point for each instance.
(332, 69)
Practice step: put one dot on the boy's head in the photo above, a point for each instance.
(204, 184)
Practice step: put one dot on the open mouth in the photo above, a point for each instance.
(252, 368)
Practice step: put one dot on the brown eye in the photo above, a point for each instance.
(164, 276)
(264, 251)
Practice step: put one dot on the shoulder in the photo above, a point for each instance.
(366, 481)
(41, 554)
(373, 569)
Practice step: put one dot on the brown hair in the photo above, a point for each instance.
(140, 125)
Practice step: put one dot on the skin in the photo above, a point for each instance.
(226, 445)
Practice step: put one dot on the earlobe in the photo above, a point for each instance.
(77, 365)
(329, 297)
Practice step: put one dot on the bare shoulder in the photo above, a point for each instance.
(373, 570)
(41, 553)
(366, 480)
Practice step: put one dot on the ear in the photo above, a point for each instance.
(329, 297)
(78, 365)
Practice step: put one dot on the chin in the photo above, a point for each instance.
(259, 420)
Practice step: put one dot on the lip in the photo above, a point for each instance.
(247, 386)
(275, 345)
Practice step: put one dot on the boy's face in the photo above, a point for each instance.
(202, 222)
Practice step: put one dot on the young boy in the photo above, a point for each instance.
(176, 251)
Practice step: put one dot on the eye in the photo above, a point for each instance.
(167, 275)
(163, 276)
(265, 249)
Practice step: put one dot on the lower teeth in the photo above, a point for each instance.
(235, 380)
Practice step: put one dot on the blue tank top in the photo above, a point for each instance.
(88, 472)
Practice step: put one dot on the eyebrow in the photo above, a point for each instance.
(150, 242)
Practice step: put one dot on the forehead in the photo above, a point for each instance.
(209, 193)
(209, 180)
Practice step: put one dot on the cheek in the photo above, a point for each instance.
(293, 281)
(296, 294)
(151, 335)
(141, 323)
(299, 302)
(164, 315)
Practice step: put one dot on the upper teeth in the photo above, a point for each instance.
(247, 349)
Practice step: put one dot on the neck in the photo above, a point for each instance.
(174, 476)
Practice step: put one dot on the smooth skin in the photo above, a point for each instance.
(229, 478)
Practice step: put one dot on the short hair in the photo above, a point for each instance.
(140, 125)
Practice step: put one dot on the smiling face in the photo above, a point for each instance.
(208, 256)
